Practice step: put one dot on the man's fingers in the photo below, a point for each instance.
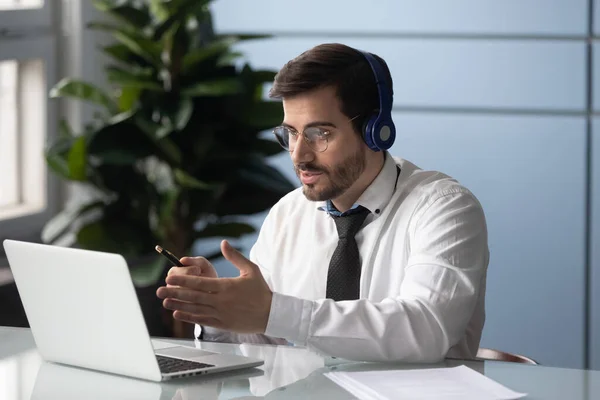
(194, 266)
(201, 262)
(191, 270)
(239, 261)
(183, 294)
(231, 254)
(198, 309)
(213, 285)
(198, 319)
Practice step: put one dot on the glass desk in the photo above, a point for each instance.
(288, 373)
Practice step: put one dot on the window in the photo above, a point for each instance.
(22, 110)
(8, 136)
(20, 4)
(27, 118)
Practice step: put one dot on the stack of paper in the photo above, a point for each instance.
(438, 383)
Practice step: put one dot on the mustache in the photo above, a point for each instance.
(309, 167)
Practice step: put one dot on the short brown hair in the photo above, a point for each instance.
(337, 65)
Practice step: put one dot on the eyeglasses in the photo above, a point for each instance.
(315, 137)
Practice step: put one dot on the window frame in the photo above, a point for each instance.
(37, 39)
(26, 19)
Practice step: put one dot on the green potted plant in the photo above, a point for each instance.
(176, 152)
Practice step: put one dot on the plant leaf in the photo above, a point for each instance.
(263, 114)
(84, 91)
(58, 164)
(109, 235)
(164, 130)
(176, 11)
(228, 58)
(169, 150)
(64, 130)
(117, 157)
(145, 48)
(184, 113)
(139, 80)
(147, 274)
(120, 53)
(257, 172)
(228, 229)
(193, 58)
(94, 237)
(121, 142)
(267, 147)
(219, 87)
(129, 96)
(188, 181)
(242, 37)
(125, 13)
(257, 188)
(77, 159)
(56, 156)
(246, 199)
(63, 221)
(159, 9)
(166, 207)
(165, 147)
(262, 76)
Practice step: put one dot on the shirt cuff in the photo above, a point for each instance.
(289, 318)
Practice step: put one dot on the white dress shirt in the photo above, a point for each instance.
(424, 257)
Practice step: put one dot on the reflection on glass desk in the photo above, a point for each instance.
(288, 373)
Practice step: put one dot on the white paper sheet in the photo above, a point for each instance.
(437, 383)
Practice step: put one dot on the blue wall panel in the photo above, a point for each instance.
(530, 17)
(595, 250)
(529, 174)
(596, 16)
(596, 80)
(460, 73)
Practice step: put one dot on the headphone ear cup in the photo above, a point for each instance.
(368, 133)
(383, 133)
(365, 127)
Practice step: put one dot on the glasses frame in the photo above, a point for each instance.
(325, 132)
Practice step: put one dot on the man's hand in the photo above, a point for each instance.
(195, 266)
(240, 304)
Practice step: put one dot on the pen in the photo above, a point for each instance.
(169, 255)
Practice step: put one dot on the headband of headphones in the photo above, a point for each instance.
(379, 131)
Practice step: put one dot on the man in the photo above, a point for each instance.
(372, 258)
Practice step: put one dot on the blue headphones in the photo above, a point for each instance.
(379, 130)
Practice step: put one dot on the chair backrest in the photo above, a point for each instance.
(497, 355)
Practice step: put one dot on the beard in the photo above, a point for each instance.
(334, 180)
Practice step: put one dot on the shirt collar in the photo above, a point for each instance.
(378, 193)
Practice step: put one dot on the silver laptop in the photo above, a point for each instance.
(83, 311)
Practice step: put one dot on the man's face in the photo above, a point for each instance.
(324, 175)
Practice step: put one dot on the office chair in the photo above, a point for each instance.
(497, 355)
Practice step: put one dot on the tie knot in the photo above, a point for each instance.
(349, 224)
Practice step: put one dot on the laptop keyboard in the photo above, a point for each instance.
(169, 365)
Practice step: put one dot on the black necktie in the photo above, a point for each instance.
(343, 277)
